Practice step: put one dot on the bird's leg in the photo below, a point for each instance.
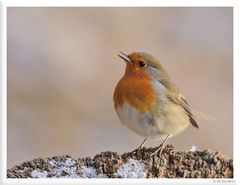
(143, 143)
(141, 146)
(160, 147)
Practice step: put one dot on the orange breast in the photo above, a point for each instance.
(136, 90)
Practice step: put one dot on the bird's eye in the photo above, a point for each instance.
(141, 64)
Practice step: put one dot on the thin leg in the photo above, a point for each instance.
(143, 143)
(160, 147)
(141, 146)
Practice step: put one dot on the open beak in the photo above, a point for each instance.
(124, 57)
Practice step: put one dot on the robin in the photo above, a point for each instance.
(148, 102)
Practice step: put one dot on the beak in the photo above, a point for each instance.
(124, 57)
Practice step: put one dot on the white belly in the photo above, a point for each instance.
(153, 126)
(136, 121)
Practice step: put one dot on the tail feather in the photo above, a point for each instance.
(193, 122)
(202, 115)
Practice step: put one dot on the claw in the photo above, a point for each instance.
(160, 147)
(140, 147)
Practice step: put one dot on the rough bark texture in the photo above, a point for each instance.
(171, 164)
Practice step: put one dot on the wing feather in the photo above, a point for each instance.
(176, 97)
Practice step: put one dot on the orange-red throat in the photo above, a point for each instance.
(134, 87)
(133, 69)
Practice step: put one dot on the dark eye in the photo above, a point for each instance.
(141, 64)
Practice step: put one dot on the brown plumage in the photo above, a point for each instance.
(175, 96)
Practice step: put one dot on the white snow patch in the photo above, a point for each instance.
(90, 172)
(39, 173)
(65, 169)
(23, 170)
(71, 172)
(132, 169)
(193, 149)
(67, 162)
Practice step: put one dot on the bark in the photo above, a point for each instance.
(171, 164)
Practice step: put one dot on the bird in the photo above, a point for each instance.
(148, 102)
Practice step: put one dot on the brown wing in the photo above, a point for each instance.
(175, 96)
(187, 108)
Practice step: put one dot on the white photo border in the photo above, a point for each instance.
(123, 3)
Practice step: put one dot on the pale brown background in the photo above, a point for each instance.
(63, 67)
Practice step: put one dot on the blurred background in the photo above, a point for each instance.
(62, 68)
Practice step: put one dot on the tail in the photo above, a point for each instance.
(202, 115)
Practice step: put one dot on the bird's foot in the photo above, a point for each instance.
(159, 149)
(140, 147)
